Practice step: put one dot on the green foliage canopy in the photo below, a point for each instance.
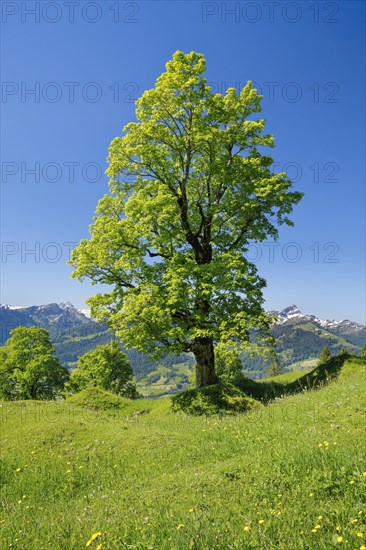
(324, 356)
(275, 368)
(228, 364)
(28, 369)
(190, 190)
(106, 367)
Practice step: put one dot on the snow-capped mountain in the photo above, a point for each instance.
(65, 306)
(53, 317)
(293, 312)
(69, 305)
(346, 331)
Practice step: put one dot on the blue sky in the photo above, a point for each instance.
(86, 62)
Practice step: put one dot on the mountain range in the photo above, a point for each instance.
(298, 336)
(351, 331)
(293, 312)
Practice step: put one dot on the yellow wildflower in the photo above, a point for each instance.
(246, 528)
(261, 521)
(352, 482)
(339, 539)
(93, 537)
(354, 520)
(180, 526)
(320, 517)
(360, 535)
(18, 469)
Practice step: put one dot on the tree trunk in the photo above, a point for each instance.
(33, 391)
(204, 354)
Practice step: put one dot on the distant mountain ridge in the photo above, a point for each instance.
(53, 317)
(293, 312)
(66, 310)
(73, 332)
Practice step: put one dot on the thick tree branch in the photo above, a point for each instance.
(156, 254)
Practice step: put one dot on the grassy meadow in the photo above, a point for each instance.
(101, 472)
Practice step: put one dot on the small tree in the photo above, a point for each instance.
(324, 356)
(106, 367)
(28, 368)
(191, 189)
(275, 368)
(228, 363)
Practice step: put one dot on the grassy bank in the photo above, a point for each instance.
(289, 475)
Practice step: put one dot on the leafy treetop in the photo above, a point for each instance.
(324, 356)
(106, 367)
(28, 368)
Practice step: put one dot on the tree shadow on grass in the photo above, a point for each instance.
(243, 394)
(315, 379)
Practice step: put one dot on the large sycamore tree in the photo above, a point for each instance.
(190, 189)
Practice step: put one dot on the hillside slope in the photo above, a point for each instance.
(291, 475)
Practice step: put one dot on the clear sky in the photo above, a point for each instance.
(71, 71)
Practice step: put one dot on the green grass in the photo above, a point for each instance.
(270, 388)
(304, 365)
(96, 399)
(284, 378)
(150, 478)
(167, 380)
